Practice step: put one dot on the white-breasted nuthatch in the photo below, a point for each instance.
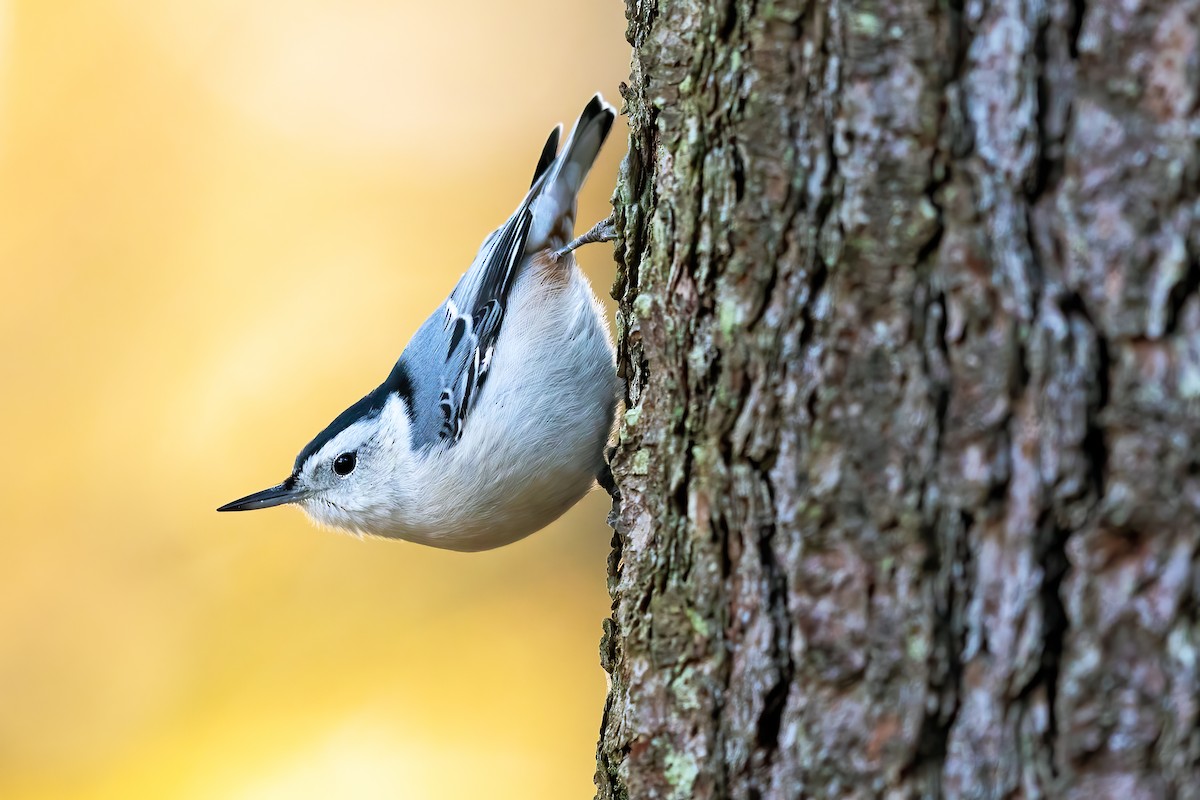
(494, 420)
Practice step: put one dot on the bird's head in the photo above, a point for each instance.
(349, 475)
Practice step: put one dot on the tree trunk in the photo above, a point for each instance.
(910, 324)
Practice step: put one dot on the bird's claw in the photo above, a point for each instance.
(603, 231)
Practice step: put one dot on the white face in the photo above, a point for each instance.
(356, 479)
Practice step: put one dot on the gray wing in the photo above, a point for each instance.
(446, 364)
(448, 359)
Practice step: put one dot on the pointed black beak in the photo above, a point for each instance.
(286, 492)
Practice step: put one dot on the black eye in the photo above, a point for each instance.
(344, 464)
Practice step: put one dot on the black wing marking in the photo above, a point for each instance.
(472, 330)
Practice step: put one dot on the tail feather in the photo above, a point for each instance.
(554, 207)
(549, 151)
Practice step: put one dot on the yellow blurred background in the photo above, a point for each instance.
(220, 222)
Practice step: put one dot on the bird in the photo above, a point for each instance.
(496, 416)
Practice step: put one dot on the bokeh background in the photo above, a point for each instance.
(219, 223)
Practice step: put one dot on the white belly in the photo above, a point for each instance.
(535, 439)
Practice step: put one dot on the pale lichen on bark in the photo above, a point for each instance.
(911, 333)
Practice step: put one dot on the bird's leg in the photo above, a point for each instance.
(605, 476)
(603, 231)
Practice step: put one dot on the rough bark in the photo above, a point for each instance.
(910, 324)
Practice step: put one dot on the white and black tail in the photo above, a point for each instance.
(557, 180)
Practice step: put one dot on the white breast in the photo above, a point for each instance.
(535, 439)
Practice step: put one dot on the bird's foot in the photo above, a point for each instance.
(603, 231)
(605, 476)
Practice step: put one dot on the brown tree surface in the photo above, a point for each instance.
(911, 330)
